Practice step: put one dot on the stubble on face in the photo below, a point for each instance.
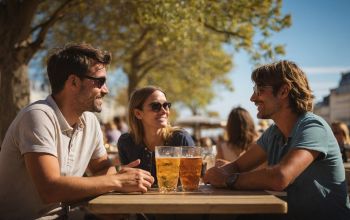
(92, 96)
(88, 100)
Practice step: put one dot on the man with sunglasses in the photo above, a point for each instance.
(302, 153)
(52, 142)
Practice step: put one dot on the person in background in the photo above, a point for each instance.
(263, 125)
(341, 133)
(148, 114)
(205, 142)
(302, 153)
(241, 133)
(112, 133)
(52, 142)
(121, 124)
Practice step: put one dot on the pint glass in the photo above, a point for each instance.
(190, 168)
(167, 166)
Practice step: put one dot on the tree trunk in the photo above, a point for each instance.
(15, 31)
(14, 94)
(131, 86)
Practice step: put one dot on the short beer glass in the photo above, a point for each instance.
(190, 168)
(167, 166)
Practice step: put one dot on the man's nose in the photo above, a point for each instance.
(253, 97)
(104, 89)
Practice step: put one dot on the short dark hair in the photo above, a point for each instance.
(74, 59)
(286, 72)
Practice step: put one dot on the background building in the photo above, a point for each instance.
(336, 106)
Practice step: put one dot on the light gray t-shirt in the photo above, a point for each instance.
(41, 127)
(320, 191)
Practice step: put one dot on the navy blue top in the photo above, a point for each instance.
(129, 151)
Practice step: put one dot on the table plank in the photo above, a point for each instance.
(206, 201)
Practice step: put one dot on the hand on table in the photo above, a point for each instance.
(216, 176)
(133, 179)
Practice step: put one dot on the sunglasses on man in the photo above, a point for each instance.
(157, 106)
(98, 81)
(258, 90)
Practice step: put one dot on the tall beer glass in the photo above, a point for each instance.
(167, 166)
(190, 168)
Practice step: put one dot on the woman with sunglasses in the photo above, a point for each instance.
(149, 127)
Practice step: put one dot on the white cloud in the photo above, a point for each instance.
(326, 70)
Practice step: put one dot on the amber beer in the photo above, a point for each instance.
(167, 166)
(190, 168)
(190, 172)
(167, 173)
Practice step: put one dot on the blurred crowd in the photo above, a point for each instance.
(238, 134)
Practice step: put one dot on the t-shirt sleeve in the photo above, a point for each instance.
(264, 138)
(311, 135)
(37, 133)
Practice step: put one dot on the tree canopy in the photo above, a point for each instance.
(175, 44)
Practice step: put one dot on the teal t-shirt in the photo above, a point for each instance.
(320, 192)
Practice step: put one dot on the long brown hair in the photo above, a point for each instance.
(240, 128)
(137, 99)
(337, 125)
(286, 72)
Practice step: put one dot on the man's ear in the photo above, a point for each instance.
(138, 114)
(284, 90)
(72, 80)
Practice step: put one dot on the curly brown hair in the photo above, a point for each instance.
(286, 73)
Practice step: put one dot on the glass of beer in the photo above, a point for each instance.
(190, 168)
(167, 166)
(209, 156)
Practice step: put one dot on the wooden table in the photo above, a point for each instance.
(207, 200)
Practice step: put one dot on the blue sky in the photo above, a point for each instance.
(318, 41)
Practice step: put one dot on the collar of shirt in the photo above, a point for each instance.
(65, 127)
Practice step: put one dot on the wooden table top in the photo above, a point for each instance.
(207, 200)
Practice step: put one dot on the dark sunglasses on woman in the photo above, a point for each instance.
(157, 106)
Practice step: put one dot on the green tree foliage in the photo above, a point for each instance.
(176, 44)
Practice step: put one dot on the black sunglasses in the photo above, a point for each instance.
(98, 81)
(157, 106)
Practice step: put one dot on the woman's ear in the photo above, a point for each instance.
(138, 114)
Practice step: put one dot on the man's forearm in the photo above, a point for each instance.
(232, 167)
(106, 171)
(262, 179)
(68, 189)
